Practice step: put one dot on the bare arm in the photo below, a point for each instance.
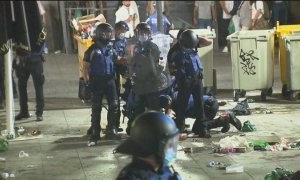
(195, 15)
(85, 68)
(222, 3)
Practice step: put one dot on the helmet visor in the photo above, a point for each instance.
(170, 150)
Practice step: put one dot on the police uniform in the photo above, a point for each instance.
(119, 46)
(101, 72)
(139, 169)
(188, 74)
(211, 106)
(31, 65)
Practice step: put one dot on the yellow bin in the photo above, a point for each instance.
(280, 31)
(83, 45)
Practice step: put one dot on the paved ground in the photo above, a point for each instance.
(61, 153)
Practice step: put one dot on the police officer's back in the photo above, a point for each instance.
(153, 144)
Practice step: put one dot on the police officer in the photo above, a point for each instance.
(188, 73)
(153, 144)
(98, 68)
(211, 108)
(30, 61)
(120, 46)
(146, 72)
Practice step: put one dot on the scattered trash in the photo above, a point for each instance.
(5, 175)
(2, 159)
(22, 154)
(268, 112)
(35, 132)
(219, 165)
(279, 173)
(242, 108)
(3, 144)
(250, 100)
(19, 131)
(248, 127)
(219, 155)
(49, 157)
(57, 52)
(11, 175)
(235, 168)
(4, 132)
(295, 144)
(187, 150)
(261, 145)
(258, 145)
(233, 144)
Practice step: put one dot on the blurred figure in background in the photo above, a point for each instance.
(204, 13)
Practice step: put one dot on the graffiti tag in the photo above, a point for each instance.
(247, 62)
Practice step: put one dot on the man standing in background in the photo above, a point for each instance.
(128, 13)
(204, 14)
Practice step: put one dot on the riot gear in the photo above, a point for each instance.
(142, 32)
(104, 32)
(121, 25)
(152, 133)
(188, 39)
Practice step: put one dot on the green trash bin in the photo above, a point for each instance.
(292, 46)
(252, 58)
(206, 55)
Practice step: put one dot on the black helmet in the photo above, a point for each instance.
(188, 39)
(142, 27)
(103, 32)
(179, 33)
(121, 25)
(149, 135)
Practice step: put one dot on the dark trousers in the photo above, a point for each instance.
(31, 66)
(223, 32)
(185, 89)
(279, 13)
(118, 88)
(100, 87)
(142, 101)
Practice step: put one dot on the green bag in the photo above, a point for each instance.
(231, 28)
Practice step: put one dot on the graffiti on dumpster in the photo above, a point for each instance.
(247, 62)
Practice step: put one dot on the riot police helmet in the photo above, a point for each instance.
(104, 32)
(121, 25)
(152, 133)
(142, 32)
(188, 39)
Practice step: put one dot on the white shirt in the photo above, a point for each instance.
(204, 9)
(259, 7)
(229, 6)
(122, 14)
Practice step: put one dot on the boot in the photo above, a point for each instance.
(220, 122)
(111, 134)
(204, 133)
(201, 129)
(22, 115)
(234, 121)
